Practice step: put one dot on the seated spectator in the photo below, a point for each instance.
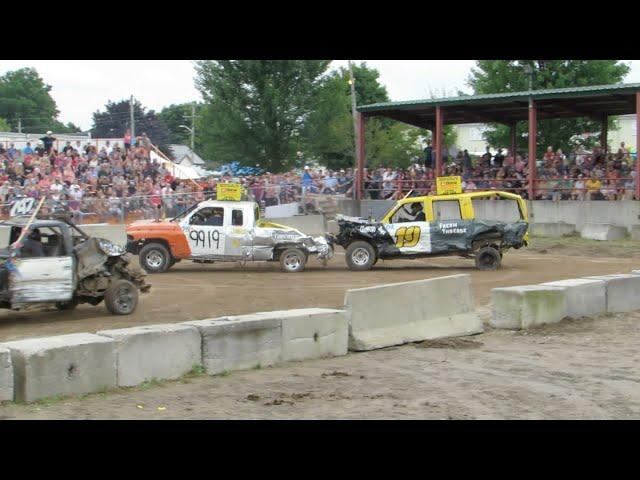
(593, 186)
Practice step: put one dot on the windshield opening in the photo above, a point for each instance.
(184, 212)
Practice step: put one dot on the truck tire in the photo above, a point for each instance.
(155, 258)
(293, 260)
(488, 258)
(121, 297)
(360, 256)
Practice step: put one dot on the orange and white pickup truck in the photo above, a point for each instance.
(222, 231)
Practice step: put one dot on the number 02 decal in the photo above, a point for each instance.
(407, 236)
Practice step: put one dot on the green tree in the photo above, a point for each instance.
(24, 95)
(115, 120)
(175, 115)
(498, 76)
(329, 132)
(4, 125)
(254, 110)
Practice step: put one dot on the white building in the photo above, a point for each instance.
(183, 155)
(470, 135)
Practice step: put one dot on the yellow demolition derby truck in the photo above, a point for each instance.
(478, 225)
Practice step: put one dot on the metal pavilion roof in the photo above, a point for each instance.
(591, 101)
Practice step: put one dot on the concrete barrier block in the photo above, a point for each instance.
(314, 333)
(163, 352)
(6, 376)
(63, 365)
(239, 343)
(405, 312)
(114, 233)
(526, 306)
(635, 272)
(603, 231)
(552, 229)
(623, 292)
(310, 224)
(635, 232)
(332, 227)
(584, 296)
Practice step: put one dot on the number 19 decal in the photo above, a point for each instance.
(407, 236)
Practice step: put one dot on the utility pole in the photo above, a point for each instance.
(131, 119)
(19, 125)
(352, 82)
(193, 126)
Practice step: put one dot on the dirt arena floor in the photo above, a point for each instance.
(191, 291)
(585, 368)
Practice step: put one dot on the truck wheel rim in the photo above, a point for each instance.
(154, 259)
(292, 261)
(486, 260)
(360, 256)
(124, 298)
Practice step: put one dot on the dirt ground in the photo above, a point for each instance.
(579, 369)
(190, 291)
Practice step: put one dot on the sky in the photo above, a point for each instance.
(80, 87)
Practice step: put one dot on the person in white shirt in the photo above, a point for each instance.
(388, 178)
(578, 188)
(56, 189)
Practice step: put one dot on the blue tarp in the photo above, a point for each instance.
(237, 170)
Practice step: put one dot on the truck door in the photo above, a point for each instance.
(409, 228)
(46, 278)
(237, 232)
(204, 229)
(449, 230)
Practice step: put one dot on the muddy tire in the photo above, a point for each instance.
(121, 298)
(488, 258)
(293, 260)
(155, 258)
(360, 256)
(67, 306)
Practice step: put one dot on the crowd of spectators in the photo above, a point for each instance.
(111, 182)
(580, 175)
(121, 180)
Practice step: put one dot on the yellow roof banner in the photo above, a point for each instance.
(229, 191)
(448, 185)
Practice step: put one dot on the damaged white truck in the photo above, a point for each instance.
(223, 231)
(58, 264)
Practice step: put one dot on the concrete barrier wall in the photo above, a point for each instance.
(584, 296)
(310, 224)
(622, 213)
(603, 231)
(6, 375)
(314, 333)
(411, 311)
(115, 233)
(239, 343)
(63, 365)
(163, 352)
(552, 229)
(267, 338)
(526, 306)
(623, 292)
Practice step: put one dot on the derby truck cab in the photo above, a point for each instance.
(222, 231)
(478, 225)
(57, 263)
